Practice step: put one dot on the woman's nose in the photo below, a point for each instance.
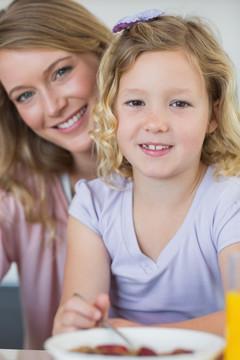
(54, 103)
(156, 123)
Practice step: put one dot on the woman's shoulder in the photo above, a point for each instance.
(11, 203)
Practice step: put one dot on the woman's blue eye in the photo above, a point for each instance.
(136, 103)
(180, 104)
(61, 72)
(24, 97)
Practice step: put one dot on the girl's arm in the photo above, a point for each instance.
(87, 272)
(215, 322)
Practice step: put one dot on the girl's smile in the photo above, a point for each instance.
(163, 114)
(54, 93)
(155, 149)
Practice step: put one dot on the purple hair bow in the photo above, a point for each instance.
(128, 21)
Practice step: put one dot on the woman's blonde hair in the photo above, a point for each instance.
(29, 25)
(196, 39)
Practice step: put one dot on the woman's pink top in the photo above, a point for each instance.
(40, 262)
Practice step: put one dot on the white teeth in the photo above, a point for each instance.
(73, 120)
(157, 147)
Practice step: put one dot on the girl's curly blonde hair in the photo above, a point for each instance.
(196, 39)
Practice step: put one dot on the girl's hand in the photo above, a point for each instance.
(76, 313)
(118, 322)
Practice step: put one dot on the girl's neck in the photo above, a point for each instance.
(170, 191)
(160, 207)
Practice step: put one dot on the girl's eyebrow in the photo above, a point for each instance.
(128, 91)
(46, 71)
(178, 90)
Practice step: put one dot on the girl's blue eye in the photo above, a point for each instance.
(136, 103)
(24, 97)
(180, 104)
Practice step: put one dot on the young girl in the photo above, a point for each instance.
(156, 233)
(49, 55)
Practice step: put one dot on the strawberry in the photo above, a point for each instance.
(112, 349)
(144, 351)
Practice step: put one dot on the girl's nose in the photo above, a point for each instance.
(155, 123)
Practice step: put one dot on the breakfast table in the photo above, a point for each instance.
(162, 342)
(9, 354)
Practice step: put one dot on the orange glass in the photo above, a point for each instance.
(232, 351)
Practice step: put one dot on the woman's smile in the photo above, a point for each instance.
(55, 93)
(76, 119)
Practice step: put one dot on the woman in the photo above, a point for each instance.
(49, 55)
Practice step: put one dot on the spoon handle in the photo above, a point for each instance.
(108, 325)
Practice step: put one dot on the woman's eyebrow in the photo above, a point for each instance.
(52, 65)
(46, 71)
(16, 88)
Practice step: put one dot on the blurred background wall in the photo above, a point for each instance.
(224, 14)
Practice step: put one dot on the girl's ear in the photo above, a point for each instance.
(213, 122)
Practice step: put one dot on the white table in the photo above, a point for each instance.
(24, 355)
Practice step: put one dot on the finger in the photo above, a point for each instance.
(75, 314)
(61, 329)
(103, 304)
(68, 320)
(79, 306)
(76, 320)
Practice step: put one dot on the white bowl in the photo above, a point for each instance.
(205, 346)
